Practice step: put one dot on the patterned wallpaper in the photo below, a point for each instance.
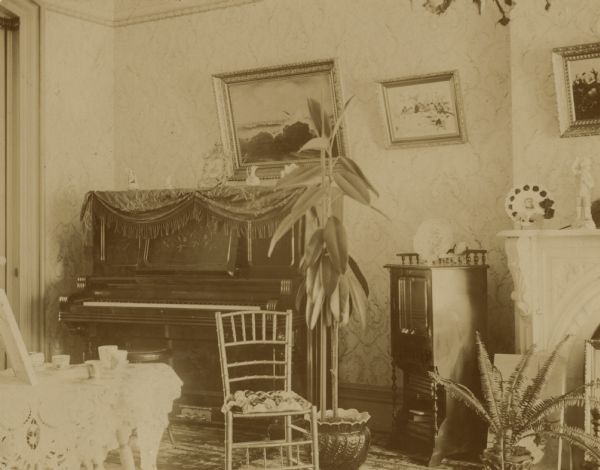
(78, 147)
(165, 121)
(539, 154)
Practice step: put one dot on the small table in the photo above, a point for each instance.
(68, 420)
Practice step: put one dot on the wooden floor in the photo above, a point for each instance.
(201, 448)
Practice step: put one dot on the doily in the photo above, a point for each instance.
(433, 238)
(527, 203)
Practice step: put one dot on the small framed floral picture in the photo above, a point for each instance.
(423, 110)
(576, 70)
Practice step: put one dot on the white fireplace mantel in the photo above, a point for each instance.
(556, 276)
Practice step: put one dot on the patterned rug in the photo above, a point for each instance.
(201, 448)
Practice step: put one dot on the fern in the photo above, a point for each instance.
(514, 409)
(514, 390)
(588, 443)
(532, 393)
(541, 410)
(491, 383)
(467, 398)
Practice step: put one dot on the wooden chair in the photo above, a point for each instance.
(256, 366)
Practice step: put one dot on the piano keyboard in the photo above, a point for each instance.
(183, 306)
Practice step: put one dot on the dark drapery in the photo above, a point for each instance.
(152, 213)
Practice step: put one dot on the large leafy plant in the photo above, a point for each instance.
(514, 408)
(334, 287)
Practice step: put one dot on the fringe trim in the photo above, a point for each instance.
(174, 217)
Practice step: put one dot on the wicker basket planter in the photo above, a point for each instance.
(344, 442)
(521, 461)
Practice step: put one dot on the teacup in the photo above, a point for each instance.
(105, 354)
(118, 359)
(37, 359)
(61, 361)
(94, 369)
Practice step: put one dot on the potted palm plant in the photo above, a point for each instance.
(514, 410)
(334, 287)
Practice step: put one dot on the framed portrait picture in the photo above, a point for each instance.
(264, 114)
(423, 110)
(576, 70)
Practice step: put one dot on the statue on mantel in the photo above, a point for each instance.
(582, 168)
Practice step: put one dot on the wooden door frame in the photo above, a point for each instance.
(25, 190)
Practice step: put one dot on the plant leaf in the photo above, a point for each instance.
(360, 303)
(357, 183)
(353, 167)
(350, 190)
(338, 123)
(490, 383)
(334, 303)
(344, 299)
(308, 310)
(314, 248)
(515, 386)
(300, 294)
(336, 242)
(466, 397)
(317, 143)
(576, 437)
(318, 303)
(309, 198)
(359, 275)
(314, 108)
(329, 276)
(301, 176)
(533, 391)
(539, 411)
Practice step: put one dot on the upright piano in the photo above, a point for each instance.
(164, 263)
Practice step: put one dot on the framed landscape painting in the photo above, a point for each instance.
(576, 70)
(264, 115)
(423, 110)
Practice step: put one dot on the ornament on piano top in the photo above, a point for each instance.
(132, 182)
(252, 179)
(216, 167)
(287, 169)
(169, 182)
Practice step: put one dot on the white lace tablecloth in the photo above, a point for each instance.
(68, 420)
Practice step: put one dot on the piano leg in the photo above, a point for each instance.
(167, 334)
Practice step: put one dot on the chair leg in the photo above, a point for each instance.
(289, 437)
(315, 438)
(228, 441)
(171, 437)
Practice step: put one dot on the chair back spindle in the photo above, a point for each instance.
(255, 349)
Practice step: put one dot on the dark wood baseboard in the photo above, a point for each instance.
(375, 399)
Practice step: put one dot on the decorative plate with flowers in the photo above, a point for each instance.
(528, 203)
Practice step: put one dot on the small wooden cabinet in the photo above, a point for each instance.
(435, 312)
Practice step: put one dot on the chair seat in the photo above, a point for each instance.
(251, 402)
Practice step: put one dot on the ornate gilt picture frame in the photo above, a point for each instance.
(264, 115)
(576, 70)
(423, 110)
